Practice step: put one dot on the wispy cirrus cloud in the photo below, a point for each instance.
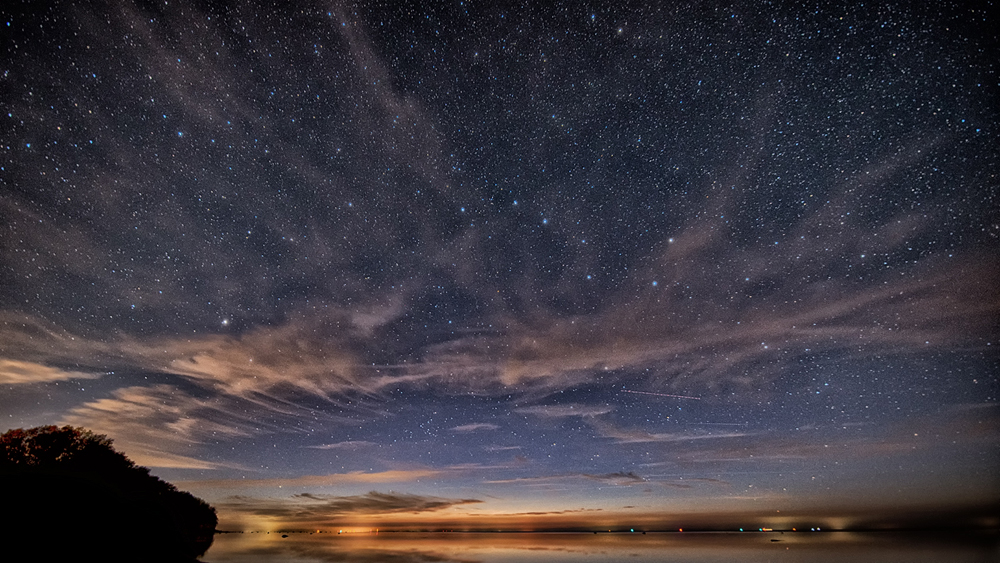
(555, 512)
(346, 445)
(332, 479)
(157, 426)
(621, 478)
(14, 372)
(745, 318)
(690, 482)
(309, 507)
(769, 316)
(618, 478)
(474, 427)
(639, 436)
(383, 503)
(562, 411)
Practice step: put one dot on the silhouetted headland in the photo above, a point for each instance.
(68, 495)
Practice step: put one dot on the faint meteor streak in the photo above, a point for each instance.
(660, 394)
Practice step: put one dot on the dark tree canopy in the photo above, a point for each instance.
(66, 493)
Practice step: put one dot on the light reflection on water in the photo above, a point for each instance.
(886, 547)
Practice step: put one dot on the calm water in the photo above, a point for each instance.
(883, 547)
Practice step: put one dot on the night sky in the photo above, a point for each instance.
(482, 264)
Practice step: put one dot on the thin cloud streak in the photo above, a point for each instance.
(474, 427)
(641, 436)
(13, 372)
(332, 479)
(348, 445)
(309, 507)
(563, 411)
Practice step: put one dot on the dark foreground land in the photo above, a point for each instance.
(69, 496)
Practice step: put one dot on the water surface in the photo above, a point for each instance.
(885, 547)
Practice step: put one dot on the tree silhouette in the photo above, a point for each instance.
(65, 494)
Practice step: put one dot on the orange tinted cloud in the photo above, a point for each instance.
(13, 372)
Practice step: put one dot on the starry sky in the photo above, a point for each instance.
(485, 264)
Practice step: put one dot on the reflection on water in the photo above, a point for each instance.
(885, 547)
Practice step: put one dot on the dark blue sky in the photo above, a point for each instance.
(489, 259)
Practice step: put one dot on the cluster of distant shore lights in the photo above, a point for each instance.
(376, 531)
